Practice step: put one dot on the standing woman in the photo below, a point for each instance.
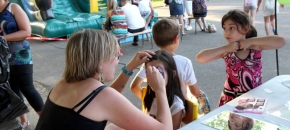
(176, 11)
(15, 27)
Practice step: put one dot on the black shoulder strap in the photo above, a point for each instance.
(88, 99)
(7, 6)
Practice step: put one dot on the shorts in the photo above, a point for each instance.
(251, 5)
(175, 8)
(270, 11)
(187, 5)
(145, 14)
(200, 15)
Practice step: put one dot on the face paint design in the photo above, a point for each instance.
(160, 70)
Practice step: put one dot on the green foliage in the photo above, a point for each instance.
(220, 122)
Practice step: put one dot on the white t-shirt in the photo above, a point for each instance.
(184, 68)
(144, 5)
(176, 106)
(133, 16)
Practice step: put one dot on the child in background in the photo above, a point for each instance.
(242, 56)
(147, 11)
(250, 7)
(169, 41)
(165, 63)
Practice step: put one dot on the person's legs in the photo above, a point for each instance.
(252, 16)
(14, 86)
(204, 24)
(28, 90)
(272, 21)
(135, 40)
(267, 24)
(180, 19)
(197, 20)
(146, 25)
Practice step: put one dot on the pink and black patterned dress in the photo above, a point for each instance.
(242, 75)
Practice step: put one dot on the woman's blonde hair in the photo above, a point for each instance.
(112, 5)
(85, 51)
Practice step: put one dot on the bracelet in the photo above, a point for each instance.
(125, 71)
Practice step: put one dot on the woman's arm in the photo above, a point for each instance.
(263, 43)
(141, 57)
(22, 22)
(211, 54)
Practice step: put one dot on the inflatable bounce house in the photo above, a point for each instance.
(60, 18)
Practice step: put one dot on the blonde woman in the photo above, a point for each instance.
(80, 100)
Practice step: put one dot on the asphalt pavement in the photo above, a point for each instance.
(49, 59)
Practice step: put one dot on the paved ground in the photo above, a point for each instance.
(49, 56)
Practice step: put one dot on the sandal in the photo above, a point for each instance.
(183, 34)
(24, 125)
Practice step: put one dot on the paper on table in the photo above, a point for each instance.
(251, 105)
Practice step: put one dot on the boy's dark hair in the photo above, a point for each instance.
(164, 32)
(252, 32)
(238, 17)
(173, 86)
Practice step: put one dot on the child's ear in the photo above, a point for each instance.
(174, 73)
(176, 39)
(246, 29)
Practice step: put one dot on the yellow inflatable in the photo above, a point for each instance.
(284, 2)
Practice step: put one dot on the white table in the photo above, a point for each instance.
(278, 97)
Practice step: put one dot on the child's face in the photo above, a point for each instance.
(159, 65)
(233, 32)
(236, 121)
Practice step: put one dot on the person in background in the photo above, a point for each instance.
(80, 100)
(251, 8)
(135, 2)
(268, 8)
(176, 11)
(15, 27)
(199, 10)
(147, 12)
(134, 19)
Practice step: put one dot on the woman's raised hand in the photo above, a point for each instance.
(140, 58)
(154, 79)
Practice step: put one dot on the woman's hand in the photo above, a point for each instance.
(140, 58)
(154, 79)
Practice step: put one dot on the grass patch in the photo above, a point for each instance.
(157, 3)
